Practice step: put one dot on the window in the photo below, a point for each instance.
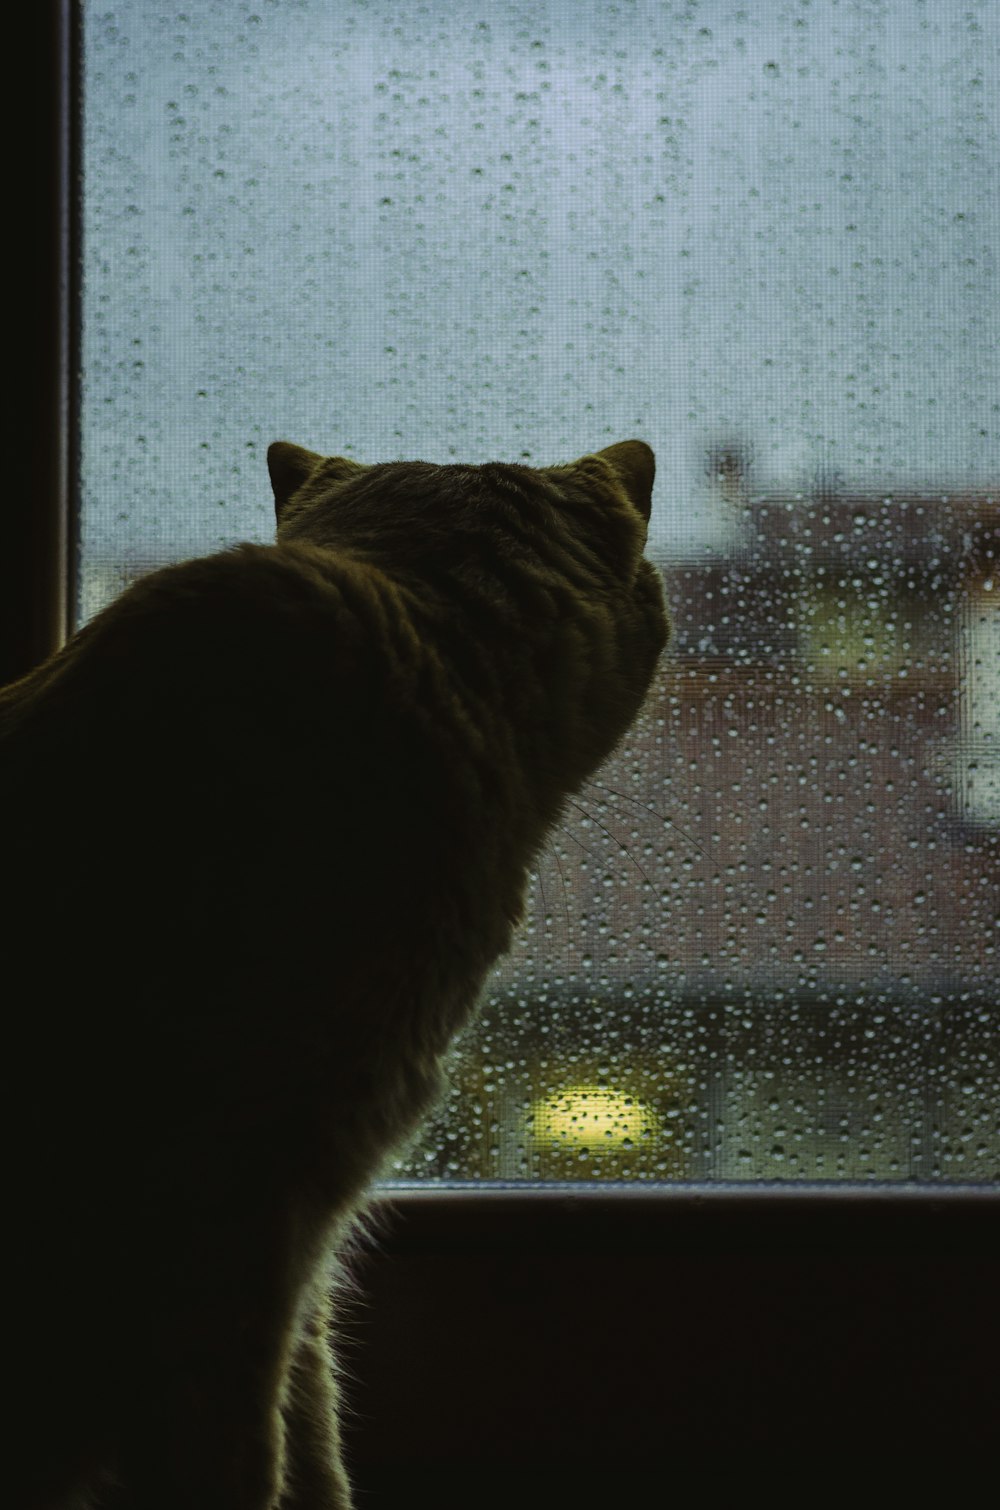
(762, 237)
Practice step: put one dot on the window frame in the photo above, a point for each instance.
(39, 564)
(437, 1236)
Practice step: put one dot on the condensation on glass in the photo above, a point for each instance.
(763, 943)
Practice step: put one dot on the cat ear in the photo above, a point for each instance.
(290, 466)
(635, 464)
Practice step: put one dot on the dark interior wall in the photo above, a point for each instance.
(603, 1343)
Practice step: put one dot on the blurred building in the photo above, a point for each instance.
(764, 944)
(832, 696)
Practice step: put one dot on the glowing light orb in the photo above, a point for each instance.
(591, 1116)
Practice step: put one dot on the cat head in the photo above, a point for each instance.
(428, 518)
(541, 567)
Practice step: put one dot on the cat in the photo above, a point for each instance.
(267, 824)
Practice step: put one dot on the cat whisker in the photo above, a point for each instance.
(537, 873)
(552, 853)
(648, 808)
(541, 892)
(570, 835)
(615, 840)
(565, 888)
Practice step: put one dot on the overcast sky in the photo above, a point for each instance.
(460, 231)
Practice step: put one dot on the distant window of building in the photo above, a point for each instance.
(977, 750)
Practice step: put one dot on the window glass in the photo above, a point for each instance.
(761, 237)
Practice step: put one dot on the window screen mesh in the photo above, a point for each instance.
(763, 943)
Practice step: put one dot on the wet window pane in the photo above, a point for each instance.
(761, 237)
